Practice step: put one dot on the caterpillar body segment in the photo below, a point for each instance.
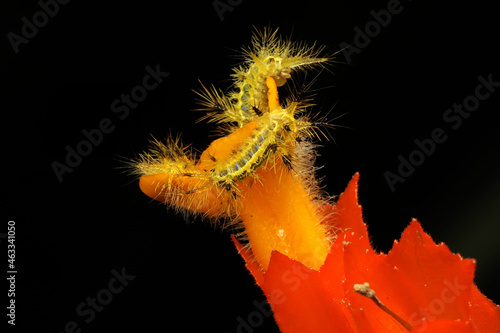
(171, 157)
(271, 134)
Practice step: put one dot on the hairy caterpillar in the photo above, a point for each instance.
(269, 56)
(260, 132)
(272, 133)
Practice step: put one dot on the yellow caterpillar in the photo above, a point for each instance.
(260, 131)
(273, 132)
(269, 56)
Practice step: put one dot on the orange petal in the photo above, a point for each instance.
(171, 189)
(224, 147)
(279, 215)
(446, 325)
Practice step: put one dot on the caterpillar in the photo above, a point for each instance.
(261, 131)
(269, 56)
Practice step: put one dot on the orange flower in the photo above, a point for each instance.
(424, 283)
(312, 279)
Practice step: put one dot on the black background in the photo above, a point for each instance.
(71, 234)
